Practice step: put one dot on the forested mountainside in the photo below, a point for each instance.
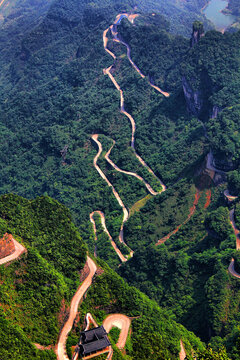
(181, 14)
(36, 290)
(136, 130)
(17, 18)
(233, 6)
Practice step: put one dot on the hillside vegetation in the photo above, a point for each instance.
(54, 97)
(36, 289)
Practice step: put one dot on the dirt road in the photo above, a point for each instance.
(61, 345)
(182, 353)
(120, 321)
(19, 250)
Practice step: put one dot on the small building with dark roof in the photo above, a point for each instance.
(93, 341)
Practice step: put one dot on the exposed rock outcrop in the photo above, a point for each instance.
(215, 111)
(7, 246)
(194, 99)
(197, 33)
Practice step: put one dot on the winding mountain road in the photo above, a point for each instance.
(1, 3)
(107, 71)
(122, 108)
(210, 164)
(101, 173)
(19, 250)
(113, 28)
(61, 345)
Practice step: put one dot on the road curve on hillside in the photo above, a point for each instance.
(236, 231)
(229, 196)
(61, 345)
(113, 28)
(1, 2)
(120, 321)
(115, 193)
(102, 216)
(232, 270)
(101, 173)
(19, 250)
(148, 186)
(124, 112)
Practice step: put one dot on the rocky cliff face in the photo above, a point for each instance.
(193, 98)
(197, 33)
(7, 246)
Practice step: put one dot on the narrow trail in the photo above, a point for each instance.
(19, 250)
(89, 320)
(191, 212)
(61, 345)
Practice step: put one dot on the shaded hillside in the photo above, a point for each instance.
(37, 288)
(180, 13)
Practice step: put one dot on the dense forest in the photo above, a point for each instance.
(36, 289)
(233, 6)
(54, 97)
